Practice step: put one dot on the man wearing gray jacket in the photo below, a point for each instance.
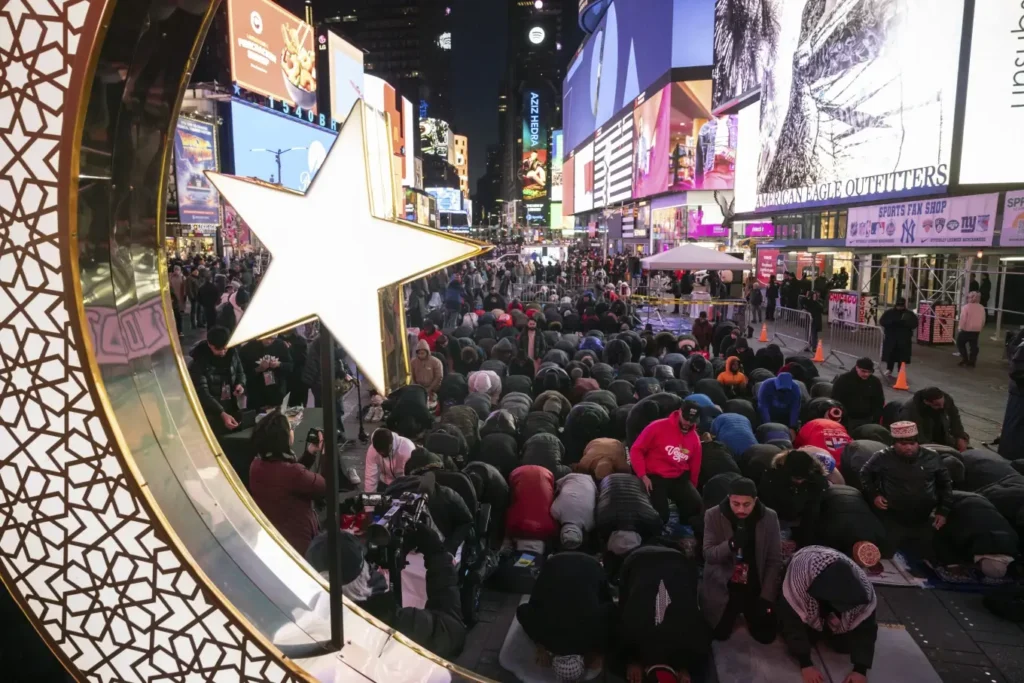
(743, 563)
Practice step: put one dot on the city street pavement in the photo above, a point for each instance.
(964, 641)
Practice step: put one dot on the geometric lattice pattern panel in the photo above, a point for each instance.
(76, 544)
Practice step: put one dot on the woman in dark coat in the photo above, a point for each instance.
(899, 325)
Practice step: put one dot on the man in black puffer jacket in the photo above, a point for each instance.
(975, 529)
(847, 524)
(623, 505)
(547, 451)
(908, 484)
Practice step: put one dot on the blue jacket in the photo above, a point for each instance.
(453, 295)
(734, 431)
(778, 400)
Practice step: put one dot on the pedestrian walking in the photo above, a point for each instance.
(899, 325)
(972, 321)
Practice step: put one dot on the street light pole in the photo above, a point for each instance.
(278, 153)
(328, 398)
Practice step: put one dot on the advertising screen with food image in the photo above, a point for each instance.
(195, 152)
(534, 170)
(859, 101)
(702, 149)
(272, 52)
(276, 148)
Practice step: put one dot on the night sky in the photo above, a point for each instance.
(479, 42)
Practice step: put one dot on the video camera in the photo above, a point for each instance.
(396, 525)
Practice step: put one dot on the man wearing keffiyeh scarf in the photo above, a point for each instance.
(825, 595)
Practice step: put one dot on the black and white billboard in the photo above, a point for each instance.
(746, 34)
(858, 101)
(613, 163)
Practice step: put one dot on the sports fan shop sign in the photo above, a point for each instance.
(950, 222)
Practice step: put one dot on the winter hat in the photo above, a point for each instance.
(743, 487)
(866, 364)
(572, 536)
(568, 668)
(660, 674)
(622, 542)
(904, 430)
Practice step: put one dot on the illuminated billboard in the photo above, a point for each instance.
(557, 150)
(568, 186)
(745, 32)
(272, 52)
(995, 97)
(702, 149)
(275, 148)
(435, 137)
(583, 180)
(448, 198)
(195, 152)
(636, 43)
(345, 61)
(534, 169)
(651, 120)
(613, 162)
(858, 102)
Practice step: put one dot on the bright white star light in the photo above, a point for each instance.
(331, 255)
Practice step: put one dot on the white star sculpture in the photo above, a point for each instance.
(331, 256)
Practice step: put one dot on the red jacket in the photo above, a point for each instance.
(285, 492)
(663, 450)
(431, 339)
(826, 434)
(532, 489)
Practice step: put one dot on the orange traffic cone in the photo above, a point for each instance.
(819, 354)
(764, 333)
(901, 379)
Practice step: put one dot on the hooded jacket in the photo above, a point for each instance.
(826, 434)
(545, 450)
(735, 432)
(847, 519)
(426, 372)
(779, 400)
(702, 332)
(575, 501)
(529, 514)
(696, 368)
(737, 379)
(664, 450)
(602, 457)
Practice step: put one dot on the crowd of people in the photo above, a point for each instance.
(601, 447)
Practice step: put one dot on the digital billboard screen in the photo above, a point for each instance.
(636, 43)
(272, 52)
(702, 149)
(745, 32)
(435, 137)
(995, 97)
(583, 179)
(275, 148)
(346, 64)
(651, 120)
(557, 151)
(448, 198)
(613, 162)
(568, 186)
(858, 102)
(195, 152)
(534, 169)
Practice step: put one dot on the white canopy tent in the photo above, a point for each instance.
(693, 257)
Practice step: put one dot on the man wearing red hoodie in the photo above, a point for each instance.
(666, 456)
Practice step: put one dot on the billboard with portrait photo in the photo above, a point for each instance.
(272, 52)
(534, 169)
(858, 102)
(557, 151)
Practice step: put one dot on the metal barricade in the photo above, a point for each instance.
(852, 340)
(792, 326)
(661, 313)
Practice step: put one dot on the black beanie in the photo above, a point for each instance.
(743, 487)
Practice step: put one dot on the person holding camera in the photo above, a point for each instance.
(438, 626)
(283, 487)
